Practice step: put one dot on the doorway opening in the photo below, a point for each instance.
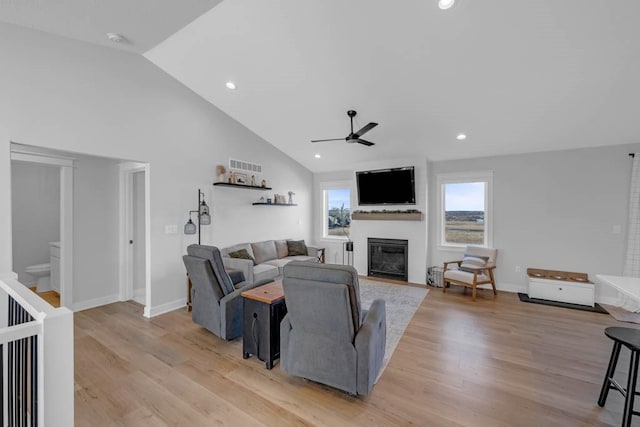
(42, 225)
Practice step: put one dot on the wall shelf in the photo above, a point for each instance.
(245, 186)
(273, 204)
(388, 216)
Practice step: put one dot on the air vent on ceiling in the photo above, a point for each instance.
(240, 165)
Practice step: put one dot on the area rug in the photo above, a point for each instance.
(401, 303)
(597, 309)
(622, 315)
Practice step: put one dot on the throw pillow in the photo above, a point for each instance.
(281, 248)
(470, 263)
(297, 247)
(242, 254)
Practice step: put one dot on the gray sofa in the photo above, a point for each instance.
(326, 336)
(216, 301)
(270, 258)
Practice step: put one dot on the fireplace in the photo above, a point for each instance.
(388, 258)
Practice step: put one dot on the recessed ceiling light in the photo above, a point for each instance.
(116, 38)
(445, 4)
(317, 156)
(461, 137)
(230, 85)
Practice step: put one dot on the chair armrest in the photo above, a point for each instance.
(244, 265)
(446, 264)
(370, 343)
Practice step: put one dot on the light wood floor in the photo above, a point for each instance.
(495, 362)
(52, 297)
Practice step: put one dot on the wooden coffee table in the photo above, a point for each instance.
(264, 308)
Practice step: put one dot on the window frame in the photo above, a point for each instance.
(324, 189)
(459, 178)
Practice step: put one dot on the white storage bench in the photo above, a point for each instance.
(573, 288)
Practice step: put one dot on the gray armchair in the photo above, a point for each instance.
(216, 300)
(326, 336)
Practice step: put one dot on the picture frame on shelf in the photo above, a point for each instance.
(241, 178)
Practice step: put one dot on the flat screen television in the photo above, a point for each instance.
(387, 186)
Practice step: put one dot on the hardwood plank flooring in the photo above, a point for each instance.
(52, 297)
(493, 362)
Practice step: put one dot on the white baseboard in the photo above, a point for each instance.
(138, 296)
(510, 287)
(165, 308)
(608, 300)
(96, 302)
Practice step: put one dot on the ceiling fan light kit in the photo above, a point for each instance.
(353, 136)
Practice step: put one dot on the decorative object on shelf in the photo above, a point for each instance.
(204, 217)
(269, 201)
(263, 183)
(240, 178)
(232, 178)
(220, 171)
(253, 180)
(291, 194)
(261, 199)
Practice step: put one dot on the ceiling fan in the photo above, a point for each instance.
(353, 137)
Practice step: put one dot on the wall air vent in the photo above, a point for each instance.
(242, 166)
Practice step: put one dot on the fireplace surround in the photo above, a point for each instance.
(388, 258)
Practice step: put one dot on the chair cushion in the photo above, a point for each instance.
(282, 249)
(297, 247)
(472, 262)
(463, 276)
(242, 254)
(483, 252)
(265, 272)
(264, 251)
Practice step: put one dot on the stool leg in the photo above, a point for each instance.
(613, 361)
(631, 388)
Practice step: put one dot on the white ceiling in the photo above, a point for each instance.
(516, 76)
(144, 23)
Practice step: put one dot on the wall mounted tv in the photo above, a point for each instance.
(387, 187)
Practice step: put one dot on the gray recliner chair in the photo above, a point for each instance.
(216, 301)
(326, 336)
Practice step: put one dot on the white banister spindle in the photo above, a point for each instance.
(37, 358)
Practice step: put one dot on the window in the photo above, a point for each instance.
(337, 212)
(465, 209)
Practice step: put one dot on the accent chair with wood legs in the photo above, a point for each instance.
(475, 269)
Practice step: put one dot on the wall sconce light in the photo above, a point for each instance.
(204, 217)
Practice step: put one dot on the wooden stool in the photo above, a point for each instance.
(630, 338)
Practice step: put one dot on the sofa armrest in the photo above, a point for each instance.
(285, 329)
(370, 343)
(244, 265)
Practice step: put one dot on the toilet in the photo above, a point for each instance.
(42, 272)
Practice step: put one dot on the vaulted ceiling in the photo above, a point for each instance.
(515, 76)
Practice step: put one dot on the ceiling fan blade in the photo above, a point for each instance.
(365, 142)
(325, 140)
(366, 129)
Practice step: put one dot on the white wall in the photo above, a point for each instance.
(95, 229)
(35, 194)
(77, 97)
(552, 210)
(413, 231)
